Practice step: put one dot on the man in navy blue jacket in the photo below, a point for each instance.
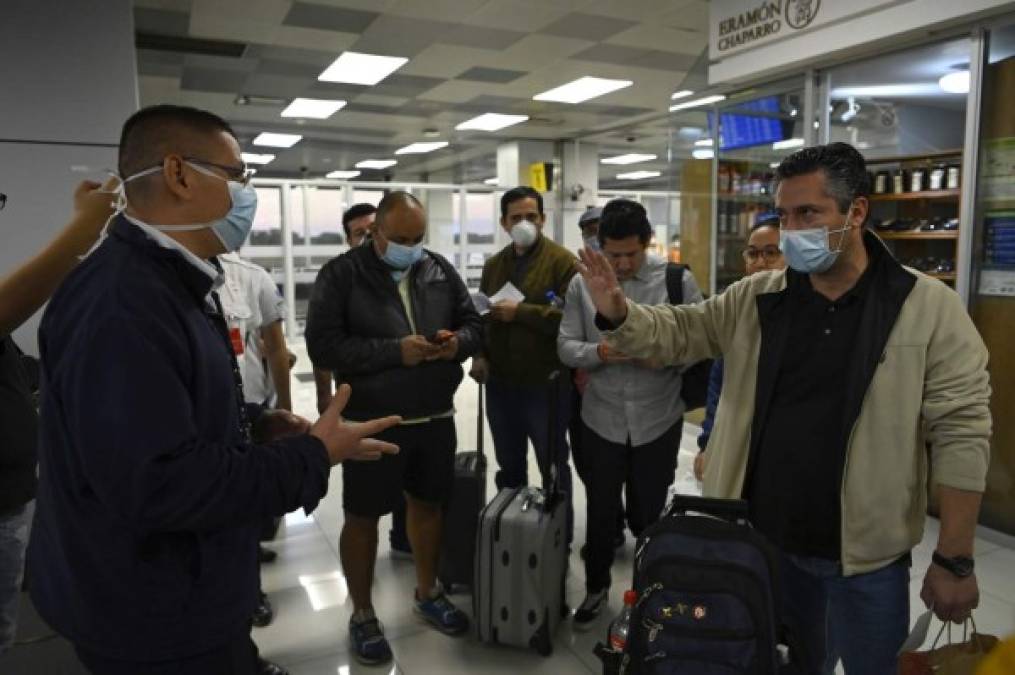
(152, 487)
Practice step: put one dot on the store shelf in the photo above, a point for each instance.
(947, 234)
(944, 154)
(911, 196)
(764, 200)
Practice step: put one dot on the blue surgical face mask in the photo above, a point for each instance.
(807, 251)
(231, 229)
(400, 257)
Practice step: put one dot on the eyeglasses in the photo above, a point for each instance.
(240, 174)
(771, 254)
(3, 201)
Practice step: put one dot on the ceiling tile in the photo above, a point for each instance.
(238, 20)
(435, 10)
(314, 57)
(536, 50)
(289, 68)
(616, 54)
(206, 79)
(161, 21)
(587, 26)
(452, 91)
(310, 15)
(399, 36)
(528, 16)
(274, 85)
(310, 38)
(408, 86)
(481, 74)
(660, 37)
(378, 100)
(225, 63)
(477, 36)
(668, 61)
(446, 61)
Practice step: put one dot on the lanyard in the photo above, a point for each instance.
(218, 319)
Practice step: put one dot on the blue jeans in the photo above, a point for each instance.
(862, 620)
(519, 414)
(14, 528)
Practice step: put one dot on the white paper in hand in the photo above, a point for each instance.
(481, 303)
(919, 633)
(507, 292)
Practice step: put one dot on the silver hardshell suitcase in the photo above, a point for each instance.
(521, 563)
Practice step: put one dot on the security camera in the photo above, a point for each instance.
(576, 191)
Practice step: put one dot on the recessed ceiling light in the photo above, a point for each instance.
(420, 148)
(277, 140)
(582, 89)
(343, 174)
(492, 181)
(773, 165)
(788, 144)
(630, 158)
(703, 143)
(254, 158)
(889, 90)
(638, 175)
(703, 154)
(316, 108)
(955, 83)
(683, 93)
(376, 163)
(357, 68)
(491, 122)
(698, 101)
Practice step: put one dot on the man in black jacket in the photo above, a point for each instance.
(396, 321)
(151, 490)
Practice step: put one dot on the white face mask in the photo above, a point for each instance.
(524, 233)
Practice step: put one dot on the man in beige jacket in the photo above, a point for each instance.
(840, 371)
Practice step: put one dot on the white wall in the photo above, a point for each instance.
(68, 78)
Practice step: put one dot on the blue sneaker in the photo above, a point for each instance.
(442, 615)
(369, 645)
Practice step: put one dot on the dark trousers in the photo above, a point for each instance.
(398, 535)
(238, 657)
(519, 414)
(644, 472)
(575, 431)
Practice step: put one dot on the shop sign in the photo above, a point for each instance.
(739, 25)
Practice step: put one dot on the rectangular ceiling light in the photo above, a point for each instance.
(254, 158)
(703, 154)
(788, 144)
(343, 174)
(376, 163)
(698, 101)
(638, 175)
(492, 181)
(313, 108)
(630, 158)
(277, 140)
(703, 143)
(683, 93)
(889, 90)
(582, 89)
(420, 148)
(357, 68)
(491, 122)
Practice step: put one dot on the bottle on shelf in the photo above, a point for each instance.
(953, 177)
(916, 180)
(937, 177)
(620, 628)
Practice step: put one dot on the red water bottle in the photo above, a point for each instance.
(621, 626)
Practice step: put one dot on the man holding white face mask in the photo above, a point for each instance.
(520, 350)
(154, 474)
(839, 372)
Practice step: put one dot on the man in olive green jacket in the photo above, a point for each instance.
(520, 350)
(840, 370)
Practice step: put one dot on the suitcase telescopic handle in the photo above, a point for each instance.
(479, 423)
(733, 510)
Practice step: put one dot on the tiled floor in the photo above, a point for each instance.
(312, 606)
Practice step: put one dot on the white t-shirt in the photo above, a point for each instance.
(250, 301)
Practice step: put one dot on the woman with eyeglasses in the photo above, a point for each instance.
(762, 254)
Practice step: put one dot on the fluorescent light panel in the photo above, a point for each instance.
(255, 158)
(703, 153)
(889, 90)
(582, 89)
(638, 175)
(630, 158)
(343, 174)
(788, 144)
(357, 68)
(492, 181)
(707, 100)
(277, 140)
(376, 163)
(491, 122)
(313, 108)
(683, 93)
(955, 83)
(703, 143)
(420, 148)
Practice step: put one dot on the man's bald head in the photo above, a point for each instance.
(400, 218)
(152, 133)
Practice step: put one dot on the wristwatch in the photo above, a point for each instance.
(960, 565)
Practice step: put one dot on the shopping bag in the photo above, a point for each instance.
(953, 658)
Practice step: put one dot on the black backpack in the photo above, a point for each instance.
(694, 385)
(708, 595)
